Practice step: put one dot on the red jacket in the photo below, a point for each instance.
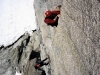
(55, 12)
(49, 13)
(50, 20)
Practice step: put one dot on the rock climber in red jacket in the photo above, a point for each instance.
(40, 63)
(51, 17)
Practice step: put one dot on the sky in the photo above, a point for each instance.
(16, 17)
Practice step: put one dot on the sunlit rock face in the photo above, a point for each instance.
(73, 46)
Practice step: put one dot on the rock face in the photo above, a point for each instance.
(22, 55)
(73, 46)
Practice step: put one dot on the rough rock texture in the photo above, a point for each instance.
(22, 55)
(73, 46)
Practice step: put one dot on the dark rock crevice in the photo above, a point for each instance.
(34, 54)
(20, 51)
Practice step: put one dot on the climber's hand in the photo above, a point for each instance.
(58, 15)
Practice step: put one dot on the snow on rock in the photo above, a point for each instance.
(18, 73)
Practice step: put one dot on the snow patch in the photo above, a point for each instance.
(18, 73)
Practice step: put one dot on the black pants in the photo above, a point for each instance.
(43, 63)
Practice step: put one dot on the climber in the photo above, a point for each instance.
(51, 17)
(40, 63)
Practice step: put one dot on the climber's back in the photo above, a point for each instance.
(51, 17)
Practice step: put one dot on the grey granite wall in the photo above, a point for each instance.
(73, 46)
(21, 55)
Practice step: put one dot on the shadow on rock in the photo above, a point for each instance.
(98, 0)
(34, 55)
(43, 73)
